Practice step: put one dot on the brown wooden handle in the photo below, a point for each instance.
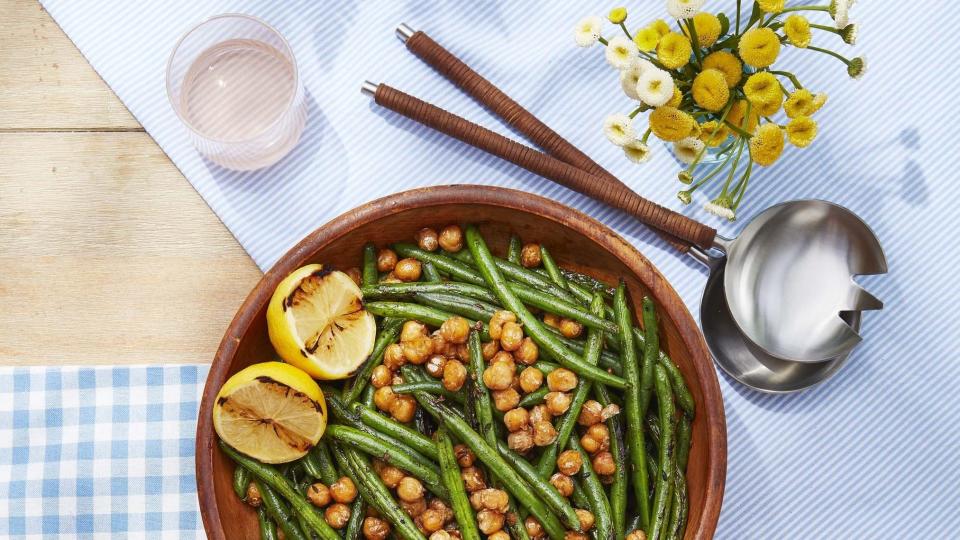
(614, 194)
(489, 95)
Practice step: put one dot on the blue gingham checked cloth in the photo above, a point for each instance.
(90, 452)
(873, 453)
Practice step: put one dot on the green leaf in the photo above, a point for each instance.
(724, 24)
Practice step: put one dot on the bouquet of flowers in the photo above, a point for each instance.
(710, 87)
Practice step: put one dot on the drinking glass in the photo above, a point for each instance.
(233, 82)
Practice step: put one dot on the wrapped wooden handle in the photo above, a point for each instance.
(615, 194)
(486, 93)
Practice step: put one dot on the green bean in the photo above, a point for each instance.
(495, 463)
(534, 398)
(376, 494)
(459, 503)
(632, 405)
(328, 473)
(389, 332)
(424, 314)
(667, 509)
(514, 248)
(578, 497)
(618, 487)
(354, 527)
(554, 500)
(407, 290)
(651, 349)
(268, 529)
(370, 275)
(470, 308)
(595, 494)
(271, 477)
(532, 325)
(683, 443)
(280, 514)
(680, 389)
(608, 359)
(565, 427)
(634, 524)
(393, 452)
(457, 270)
(311, 466)
(665, 476)
(430, 272)
(680, 505)
(434, 387)
(241, 480)
(359, 416)
(367, 398)
(589, 282)
(552, 269)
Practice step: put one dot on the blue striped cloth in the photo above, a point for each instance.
(872, 453)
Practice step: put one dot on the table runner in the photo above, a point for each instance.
(870, 452)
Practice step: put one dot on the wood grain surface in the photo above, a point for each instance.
(107, 254)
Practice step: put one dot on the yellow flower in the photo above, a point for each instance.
(708, 28)
(771, 6)
(819, 100)
(713, 133)
(763, 91)
(670, 123)
(662, 27)
(674, 50)
(694, 130)
(727, 63)
(767, 145)
(676, 99)
(736, 116)
(710, 90)
(617, 15)
(800, 103)
(797, 28)
(759, 47)
(801, 131)
(647, 39)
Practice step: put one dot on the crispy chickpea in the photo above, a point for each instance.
(463, 352)
(569, 462)
(504, 356)
(381, 376)
(568, 327)
(561, 380)
(511, 336)
(531, 379)
(589, 444)
(544, 433)
(551, 320)
(530, 255)
(440, 535)
(516, 419)
(521, 441)
(609, 411)
(427, 239)
(412, 330)
(418, 350)
(393, 356)
(586, 519)
(386, 260)
(435, 365)
(473, 479)
(375, 528)
(391, 278)
(454, 375)
(430, 520)
(445, 511)
(497, 321)
(636, 535)
(408, 270)
(451, 238)
(499, 375)
(390, 475)
(337, 515)
(533, 527)
(253, 497)
(563, 483)
(354, 274)
(499, 535)
(343, 490)
(604, 464)
(504, 400)
(527, 353)
(465, 456)
(557, 402)
(601, 433)
(403, 408)
(540, 413)
(489, 349)
(574, 535)
(318, 494)
(489, 521)
(455, 330)
(410, 489)
(491, 499)
(384, 398)
(414, 508)
(590, 413)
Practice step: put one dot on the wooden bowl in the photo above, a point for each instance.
(575, 240)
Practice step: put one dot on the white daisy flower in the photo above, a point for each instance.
(655, 87)
(849, 34)
(621, 52)
(684, 9)
(631, 74)
(587, 31)
(840, 11)
(637, 152)
(619, 129)
(721, 207)
(687, 149)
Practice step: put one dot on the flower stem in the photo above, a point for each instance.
(694, 40)
(716, 128)
(742, 186)
(738, 130)
(831, 29)
(733, 169)
(646, 136)
(602, 40)
(638, 110)
(831, 53)
(791, 76)
(625, 31)
(806, 8)
(738, 17)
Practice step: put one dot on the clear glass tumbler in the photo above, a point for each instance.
(233, 81)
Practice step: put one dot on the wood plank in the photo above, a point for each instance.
(108, 255)
(45, 83)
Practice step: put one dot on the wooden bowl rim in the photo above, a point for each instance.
(712, 406)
